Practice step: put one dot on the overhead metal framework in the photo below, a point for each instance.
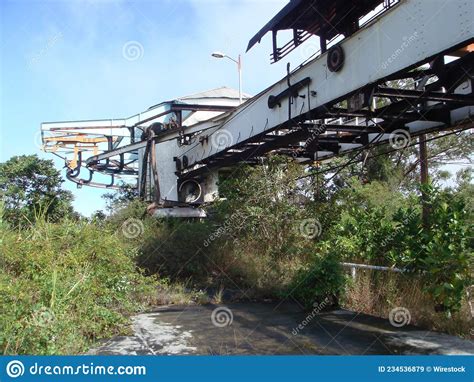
(85, 145)
(395, 73)
(326, 19)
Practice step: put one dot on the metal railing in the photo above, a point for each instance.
(353, 267)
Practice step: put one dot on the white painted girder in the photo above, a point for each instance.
(409, 33)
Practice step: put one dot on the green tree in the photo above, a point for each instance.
(125, 194)
(31, 187)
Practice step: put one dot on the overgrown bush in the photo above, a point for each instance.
(252, 240)
(171, 248)
(321, 280)
(261, 240)
(174, 248)
(441, 251)
(63, 286)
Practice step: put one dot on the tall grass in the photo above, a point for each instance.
(377, 293)
(64, 286)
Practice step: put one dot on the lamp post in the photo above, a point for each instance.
(239, 67)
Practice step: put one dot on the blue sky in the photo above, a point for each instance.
(62, 60)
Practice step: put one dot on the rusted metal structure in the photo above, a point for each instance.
(327, 19)
(325, 107)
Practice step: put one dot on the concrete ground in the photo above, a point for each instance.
(271, 328)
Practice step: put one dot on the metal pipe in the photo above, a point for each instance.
(373, 267)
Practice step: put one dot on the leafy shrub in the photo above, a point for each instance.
(321, 279)
(442, 251)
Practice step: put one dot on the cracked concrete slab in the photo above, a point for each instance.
(150, 336)
(268, 328)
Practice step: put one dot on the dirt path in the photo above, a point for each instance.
(268, 328)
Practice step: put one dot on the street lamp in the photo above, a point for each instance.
(239, 67)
